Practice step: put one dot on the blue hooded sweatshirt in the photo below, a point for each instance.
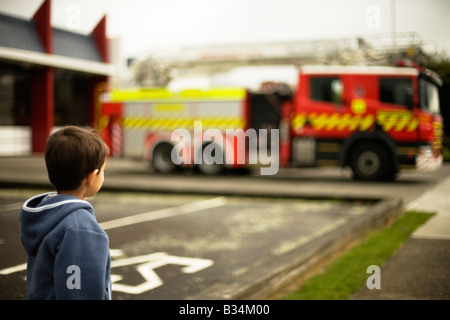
(68, 251)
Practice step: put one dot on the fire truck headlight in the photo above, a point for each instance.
(426, 151)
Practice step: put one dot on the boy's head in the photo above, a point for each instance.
(72, 154)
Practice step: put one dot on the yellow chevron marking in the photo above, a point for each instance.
(397, 121)
(169, 124)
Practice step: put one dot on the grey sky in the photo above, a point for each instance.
(148, 26)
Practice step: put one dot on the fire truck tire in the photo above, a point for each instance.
(371, 162)
(161, 159)
(212, 168)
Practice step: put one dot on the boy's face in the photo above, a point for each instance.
(98, 179)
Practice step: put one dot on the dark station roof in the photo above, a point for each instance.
(19, 33)
(74, 45)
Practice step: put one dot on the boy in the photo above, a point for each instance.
(68, 251)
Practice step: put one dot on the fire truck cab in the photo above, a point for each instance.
(377, 120)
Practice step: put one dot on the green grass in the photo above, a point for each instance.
(345, 276)
(446, 154)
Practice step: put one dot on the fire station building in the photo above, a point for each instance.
(49, 77)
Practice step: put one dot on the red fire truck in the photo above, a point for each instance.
(376, 120)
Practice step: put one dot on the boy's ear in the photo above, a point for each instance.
(91, 176)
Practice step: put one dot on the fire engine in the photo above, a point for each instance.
(377, 120)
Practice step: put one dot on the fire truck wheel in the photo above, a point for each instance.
(370, 161)
(161, 159)
(208, 155)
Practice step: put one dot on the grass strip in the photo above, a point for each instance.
(345, 276)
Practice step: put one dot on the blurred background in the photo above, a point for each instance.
(184, 44)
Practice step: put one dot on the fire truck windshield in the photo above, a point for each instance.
(429, 96)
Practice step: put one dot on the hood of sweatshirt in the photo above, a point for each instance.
(42, 213)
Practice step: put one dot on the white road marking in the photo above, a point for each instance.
(11, 206)
(146, 265)
(114, 253)
(19, 267)
(164, 213)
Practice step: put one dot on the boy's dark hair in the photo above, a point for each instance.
(72, 154)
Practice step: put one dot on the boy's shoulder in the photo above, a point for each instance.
(80, 217)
